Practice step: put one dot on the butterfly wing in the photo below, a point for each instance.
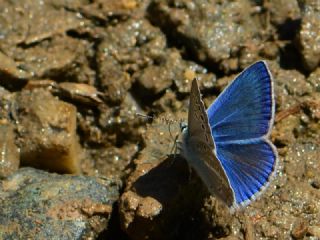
(249, 167)
(240, 120)
(198, 149)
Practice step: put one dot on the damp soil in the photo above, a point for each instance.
(80, 82)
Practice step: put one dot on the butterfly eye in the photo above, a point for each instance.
(183, 126)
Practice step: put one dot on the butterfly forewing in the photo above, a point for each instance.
(245, 109)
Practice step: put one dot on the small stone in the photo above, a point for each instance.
(284, 11)
(9, 153)
(315, 184)
(9, 69)
(309, 38)
(47, 132)
(314, 231)
(314, 79)
(149, 208)
(299, 230)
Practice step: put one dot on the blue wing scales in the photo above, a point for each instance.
(244, 110)
(249, 166)
(240, 120)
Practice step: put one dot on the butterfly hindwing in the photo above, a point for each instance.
(249, 167)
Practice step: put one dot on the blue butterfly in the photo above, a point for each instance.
(228, 144)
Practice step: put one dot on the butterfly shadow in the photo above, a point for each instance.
(172, 184)
(181, 195)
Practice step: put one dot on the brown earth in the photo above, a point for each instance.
(73, 75)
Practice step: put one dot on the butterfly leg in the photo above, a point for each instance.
(174, 150)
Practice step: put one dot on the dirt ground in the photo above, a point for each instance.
(73, 76)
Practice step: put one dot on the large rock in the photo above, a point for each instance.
(39, 205)
(160, 194)
(213, 32)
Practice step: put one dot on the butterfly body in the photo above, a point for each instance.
(227, 144)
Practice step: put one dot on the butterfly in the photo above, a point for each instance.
(227, 144)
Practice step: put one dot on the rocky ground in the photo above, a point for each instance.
(78, 163)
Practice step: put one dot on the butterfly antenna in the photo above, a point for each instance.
(176, 141)
(161, 119)
(168, 122)
(169, 128)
